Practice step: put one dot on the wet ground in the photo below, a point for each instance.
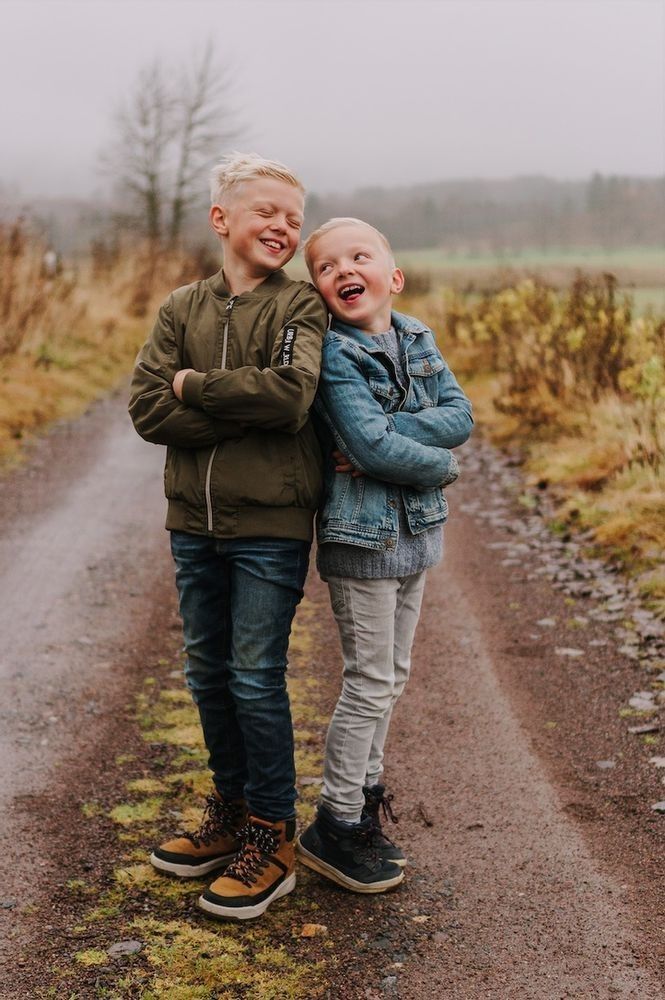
(525, 802)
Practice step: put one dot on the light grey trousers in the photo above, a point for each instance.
(377, 622)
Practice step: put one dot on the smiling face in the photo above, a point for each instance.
(355, 273)
(259, 225)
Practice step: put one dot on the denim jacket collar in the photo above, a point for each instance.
(406, 326)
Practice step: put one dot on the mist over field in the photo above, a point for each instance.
(373, 94)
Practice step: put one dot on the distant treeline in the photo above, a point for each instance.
(477, 216)
(468, 217)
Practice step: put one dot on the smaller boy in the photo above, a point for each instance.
(393, 409)
(225, 381)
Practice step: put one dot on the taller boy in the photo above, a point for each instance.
(226, 380)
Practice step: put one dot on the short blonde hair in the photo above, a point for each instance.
(338, 223)
(235, 168)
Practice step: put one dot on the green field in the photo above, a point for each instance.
(593, 258)
(639, 270)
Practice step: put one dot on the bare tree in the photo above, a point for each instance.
(166, 133)
(139, 156)
(205, 122)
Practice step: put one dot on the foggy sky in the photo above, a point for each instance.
(350, 93)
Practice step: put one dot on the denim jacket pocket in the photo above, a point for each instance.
(383, 389)
(423, 371)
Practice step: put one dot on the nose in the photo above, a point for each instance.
(278, 224)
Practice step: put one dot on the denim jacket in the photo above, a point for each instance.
(400, 441)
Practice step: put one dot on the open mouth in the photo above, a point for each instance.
(351, 292)
(273, 245)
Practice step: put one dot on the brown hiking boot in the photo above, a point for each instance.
(263, 870)
(212, 846)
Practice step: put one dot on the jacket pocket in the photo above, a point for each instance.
(384, 390)
(182, 476)
(257, 470)
(424, 369)
(426, 508)
(309, 469)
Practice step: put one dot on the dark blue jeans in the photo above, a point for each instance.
(237, 601)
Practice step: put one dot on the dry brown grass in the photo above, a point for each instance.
(577, 383)
(66, 340)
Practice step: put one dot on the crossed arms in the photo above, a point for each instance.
(409, 449)
(184, 408)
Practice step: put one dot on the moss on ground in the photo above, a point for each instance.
(184, 955)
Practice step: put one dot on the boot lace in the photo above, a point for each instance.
(257, 843)
(365, 845)
(379, 801)
(219, 818)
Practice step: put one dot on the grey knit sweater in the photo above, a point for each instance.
(412, 553)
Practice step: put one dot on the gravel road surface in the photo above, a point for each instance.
(534, 872)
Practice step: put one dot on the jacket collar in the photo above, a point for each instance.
(403, 324)
(269, 286)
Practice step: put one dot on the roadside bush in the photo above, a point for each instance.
(558, 355)
(70, 333)
(33, 304)
(576, 383)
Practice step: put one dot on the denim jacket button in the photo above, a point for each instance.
(391, 503)
(389, 543)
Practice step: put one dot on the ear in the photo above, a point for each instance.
(218, 220)
(397, 281)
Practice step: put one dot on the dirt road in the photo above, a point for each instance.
(535, 857)
(82, 560)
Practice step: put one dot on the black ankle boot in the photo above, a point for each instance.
(376, 801)
(345, 853)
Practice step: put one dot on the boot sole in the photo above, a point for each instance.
(311, 861)
(247, 912)
(191, 871)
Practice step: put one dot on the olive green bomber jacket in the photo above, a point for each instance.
(242, 457)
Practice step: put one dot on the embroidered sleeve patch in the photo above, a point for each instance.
(288, 343)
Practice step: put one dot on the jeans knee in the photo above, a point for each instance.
(370, 704)
(204, 679)
(258, 687)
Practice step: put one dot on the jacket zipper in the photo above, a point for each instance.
(225, 345)
(408, 380)
(225, 336)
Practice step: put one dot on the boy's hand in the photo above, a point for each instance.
(178, 380)
(344, 465)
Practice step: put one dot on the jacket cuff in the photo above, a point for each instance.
(192, 389)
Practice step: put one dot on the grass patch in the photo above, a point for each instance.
(129, 813)
(150, 786)
(91, 956)
(184, 955)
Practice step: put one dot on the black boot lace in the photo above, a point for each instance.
(219, 819)
(257, 844)
(376, 800)
(365, 847)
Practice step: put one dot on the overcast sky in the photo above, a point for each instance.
(350, 93)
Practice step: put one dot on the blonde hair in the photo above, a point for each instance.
(235, 168)
(337, 224)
